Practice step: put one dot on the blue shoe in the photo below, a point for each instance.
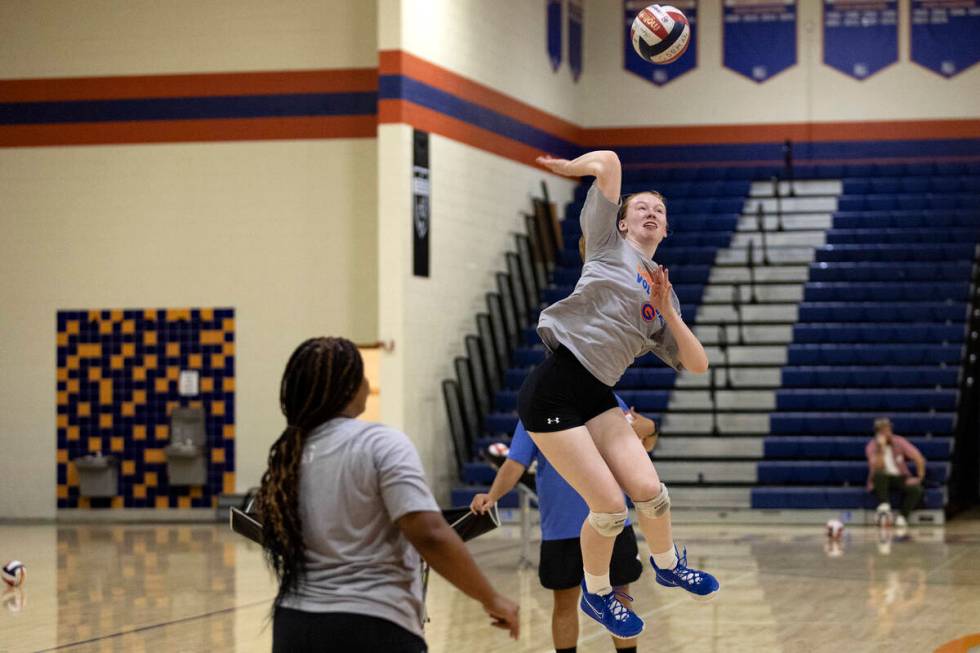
(702, 585)
(620, 621)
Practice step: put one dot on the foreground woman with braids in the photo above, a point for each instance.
(346, 513)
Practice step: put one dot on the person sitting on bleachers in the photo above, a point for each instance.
(888, 471)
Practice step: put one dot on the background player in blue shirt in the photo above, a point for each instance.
(562, 513)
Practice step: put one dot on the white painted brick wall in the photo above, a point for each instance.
(53, 38)
(499, 43)
(282, 231)
(477, 199)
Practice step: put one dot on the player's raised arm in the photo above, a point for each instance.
(601, 164)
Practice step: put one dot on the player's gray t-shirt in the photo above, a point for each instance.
(608, 321)
(356, 479)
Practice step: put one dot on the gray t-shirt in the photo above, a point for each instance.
(608, 321)
(356, 479)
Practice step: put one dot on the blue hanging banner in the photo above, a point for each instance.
(759, 37)
(659, 75)
(575, 13)
(860, 37)
(554, 33)
(945, 35)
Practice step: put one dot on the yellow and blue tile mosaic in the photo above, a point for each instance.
(117, 384)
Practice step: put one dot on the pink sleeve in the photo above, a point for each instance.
(909, 450)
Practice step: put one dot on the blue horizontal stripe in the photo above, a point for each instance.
(802, 151)
(190, 108)
(399, 87)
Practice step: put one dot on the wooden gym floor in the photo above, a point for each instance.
(93, 588)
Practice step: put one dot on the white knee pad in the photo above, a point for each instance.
(657, 506)
(608, 524)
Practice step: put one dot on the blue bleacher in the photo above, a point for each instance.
(907, 185)
(910, 252)
(882, 332)
(829, 447)
(919, 311)
(922, 202)
(852, 376)
(848, 399)
(829, 498)
(853, 423)
(892, 272)
(931, 221)
(820, 291)
(831, 472)
(886, 236)
(880, 329)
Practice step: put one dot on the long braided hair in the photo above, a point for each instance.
(322, 377)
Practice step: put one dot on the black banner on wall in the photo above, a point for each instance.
(421, 204)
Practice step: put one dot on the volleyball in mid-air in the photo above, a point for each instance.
(660, 34)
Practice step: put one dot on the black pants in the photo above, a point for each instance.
(295, 631)
(885, 485)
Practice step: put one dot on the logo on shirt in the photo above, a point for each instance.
(648, 312)
(644, 278)
(553, 421)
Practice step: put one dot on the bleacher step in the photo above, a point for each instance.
(728, 423)
(810, 204)
(739, 256)
(710, 334)
(687, 399)
(741, 377)
(717, 293)
(765, 313)
(798, 188)
(702, 471)
(794, 222)
(710, 497)
(687, 447)
(741, 274)
(780, 239)
(747, 355)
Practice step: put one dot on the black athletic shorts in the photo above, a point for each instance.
(560, 567)
(561, 394)
(296, 631)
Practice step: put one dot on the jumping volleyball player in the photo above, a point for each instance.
(622, 307)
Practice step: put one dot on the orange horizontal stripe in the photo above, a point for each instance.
(400, 111)
(777, 133)
(397, 62)
(189, 85)
(187, 131)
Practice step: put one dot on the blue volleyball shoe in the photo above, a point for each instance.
(608, 610)
(700, 584)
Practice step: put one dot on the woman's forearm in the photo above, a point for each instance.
(689, 349)
(507, 477)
